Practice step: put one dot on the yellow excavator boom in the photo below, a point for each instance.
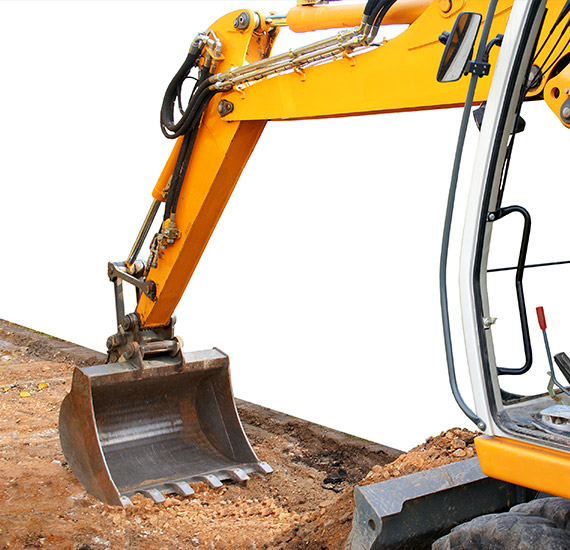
(395, 76)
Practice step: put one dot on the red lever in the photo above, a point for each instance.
(541, 318)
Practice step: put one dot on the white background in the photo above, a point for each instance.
(320, 280)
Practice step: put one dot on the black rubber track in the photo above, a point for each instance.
(542, 524)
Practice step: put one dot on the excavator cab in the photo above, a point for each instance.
(521, 394)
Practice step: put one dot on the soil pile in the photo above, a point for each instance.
(329, 526)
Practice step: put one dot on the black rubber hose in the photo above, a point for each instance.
(179, 93)
(180, 171)
(173, 130)
(368, 9)
(188, 124)
(175, 181)
(195, 110)
(184, 155)
(191, 136)
(380, 12)
(171, 94)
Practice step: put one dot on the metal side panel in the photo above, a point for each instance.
(414, 510)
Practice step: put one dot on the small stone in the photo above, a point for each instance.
(458, 443)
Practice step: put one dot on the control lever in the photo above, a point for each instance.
(553, 381)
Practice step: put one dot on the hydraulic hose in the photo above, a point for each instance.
(368, 9)
(374, 13)
(179, 169)
(380, 12)
(173, 130)
(173, 90)
(189, 123)
(183, 162)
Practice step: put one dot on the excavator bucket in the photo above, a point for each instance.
(156, 430)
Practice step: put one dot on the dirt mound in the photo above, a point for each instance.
(449, 446)
(329, 526)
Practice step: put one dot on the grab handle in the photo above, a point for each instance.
(492, 217)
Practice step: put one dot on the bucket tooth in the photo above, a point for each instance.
(263, 468)
(125, 429)
(236, 474)
(125, 501)
(181, 488)
(154, 494)
(210, 479)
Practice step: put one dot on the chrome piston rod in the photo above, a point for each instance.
(143, 232)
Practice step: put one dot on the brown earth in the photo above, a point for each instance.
(306, 503)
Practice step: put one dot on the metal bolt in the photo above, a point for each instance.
(566, 112)
(150, 290)
(445, 5)
(534, 77)
(491, 217)
(444, 37)
(114, 341)
(241, 22)
(567, 91)
(225, 107)
(130, 350)
(488, 322)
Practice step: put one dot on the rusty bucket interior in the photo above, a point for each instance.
(156, 430)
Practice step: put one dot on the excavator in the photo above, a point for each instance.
(154, 419)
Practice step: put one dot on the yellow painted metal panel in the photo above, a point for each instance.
(528, 465)
(217, 161)
(557, 93)
(312, 18)
(396, 76)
